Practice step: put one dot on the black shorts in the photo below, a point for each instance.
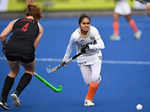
(24, 59)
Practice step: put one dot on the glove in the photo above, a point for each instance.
(85, 48)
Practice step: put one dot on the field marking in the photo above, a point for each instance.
(104, 61)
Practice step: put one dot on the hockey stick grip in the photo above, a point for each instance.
(59, 89)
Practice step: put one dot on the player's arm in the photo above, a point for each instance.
(6, 32)
(36, 42)
(69, 48)
(99, 42)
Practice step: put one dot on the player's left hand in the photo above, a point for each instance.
(85, 48)
(63, 63)
(4, 49)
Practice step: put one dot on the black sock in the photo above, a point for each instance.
(24, 81)
(6, 88)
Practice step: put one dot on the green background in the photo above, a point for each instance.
(19, 5)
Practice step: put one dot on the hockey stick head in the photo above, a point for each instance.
(59, 89)
(44, 81)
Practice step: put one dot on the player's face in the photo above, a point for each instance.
(85, 24)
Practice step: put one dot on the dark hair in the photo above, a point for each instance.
(82, 17)
(35, 11)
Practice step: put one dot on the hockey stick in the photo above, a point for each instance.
(66, 62)
(143, 1)
(59, 89)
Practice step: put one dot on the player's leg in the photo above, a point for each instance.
(24, 81)
(27, 76)
(86, 74)
(14, 69)
(116, 27)
(131, 22)
(95, 81)
(116, 15)
(133, 25)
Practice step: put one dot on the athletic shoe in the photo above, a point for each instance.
(138, 34)
(15, 99)
(115, 37)
(4, 105)
(88, 103)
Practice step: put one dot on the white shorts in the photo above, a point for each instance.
(91, 72)
(123, 8)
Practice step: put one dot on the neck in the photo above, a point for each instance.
(84, 32)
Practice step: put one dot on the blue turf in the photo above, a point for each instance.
(123, 85)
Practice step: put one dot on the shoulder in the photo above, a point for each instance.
(76, 34)
(15, 21)
(11, 23)
(93, 30)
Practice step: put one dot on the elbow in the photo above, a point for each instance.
(101, 47)
(2, 37)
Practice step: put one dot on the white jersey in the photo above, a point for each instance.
(122, 7)
(95, 46)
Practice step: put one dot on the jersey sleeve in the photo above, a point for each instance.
(69, 48)
(99, 42)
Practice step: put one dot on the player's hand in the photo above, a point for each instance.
(63, 63)
(4, 49)
(85, 48)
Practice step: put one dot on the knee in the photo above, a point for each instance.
(13, 74)
(116, 17)
(96, 78)
(29, 72)
(94, 84)
(128, 18)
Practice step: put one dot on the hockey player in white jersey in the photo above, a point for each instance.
(87, 40)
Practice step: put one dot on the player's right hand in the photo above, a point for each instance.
(4, 49)
(85, 49)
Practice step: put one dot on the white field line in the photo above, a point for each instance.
(104, 61)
